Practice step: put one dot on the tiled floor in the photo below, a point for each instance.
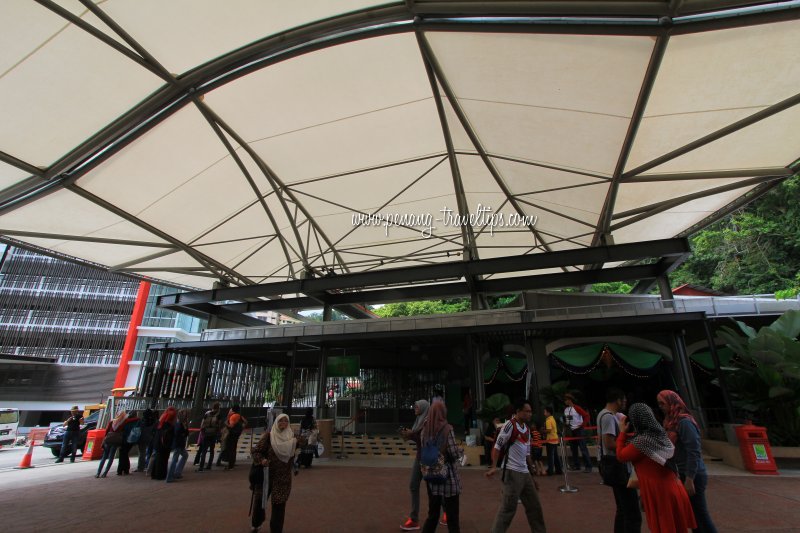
(354, 495)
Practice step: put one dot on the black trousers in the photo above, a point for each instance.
(434, 509)
(260, 514)
(206, 446)
(628, 518)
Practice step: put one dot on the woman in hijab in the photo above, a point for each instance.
(436, 429)
(124, 462)
(664, 499)
(684, 432)
(178, 447)
(115, 434)
(421, 410)
(162, 446)
(274, 453)
(147, 425)
(308, 430)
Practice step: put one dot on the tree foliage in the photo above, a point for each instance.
(435, 307)
(755, 250)
(765, 380)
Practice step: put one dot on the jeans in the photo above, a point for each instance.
(70, 437)
(628, 518)
(574, 445)
(553, 459)
(518, 486)
(416, 480)
(435, 507)
(699, 505)
(207, 445)
(179, 456)
(108, 455)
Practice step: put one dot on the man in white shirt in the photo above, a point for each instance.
(514, 442)
(575, 416)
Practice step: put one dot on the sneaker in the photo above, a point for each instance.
(443, 521)
(59, 460)
(410, 525)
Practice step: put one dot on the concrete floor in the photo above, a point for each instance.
(345, 496)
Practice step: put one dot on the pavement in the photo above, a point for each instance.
(339, 496)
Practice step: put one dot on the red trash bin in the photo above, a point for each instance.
(94, 444)
(756, 453)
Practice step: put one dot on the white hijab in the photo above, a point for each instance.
(282, 441)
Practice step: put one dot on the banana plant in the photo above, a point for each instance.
(765, 380)
(496, 405)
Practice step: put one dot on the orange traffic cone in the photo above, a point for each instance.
(26, 460)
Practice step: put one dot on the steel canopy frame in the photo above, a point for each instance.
(656, 18)
(440, 280)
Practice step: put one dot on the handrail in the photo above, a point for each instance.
(712, 306)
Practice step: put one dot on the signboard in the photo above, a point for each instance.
(761, 453)
(343, 366)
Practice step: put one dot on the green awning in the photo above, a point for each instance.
(504, 370)
(635, 357)
(580, 357)
(704, 358)
(586, 356)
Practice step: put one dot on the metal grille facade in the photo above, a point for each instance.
(53, 309)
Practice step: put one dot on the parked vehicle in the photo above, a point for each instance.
(56, 434)
(9, 422)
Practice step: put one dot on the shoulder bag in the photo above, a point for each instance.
(614, 473)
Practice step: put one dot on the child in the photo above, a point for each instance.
(536, 449)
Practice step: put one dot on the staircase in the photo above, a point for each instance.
(378, 446)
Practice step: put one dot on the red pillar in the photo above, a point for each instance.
(130, 339)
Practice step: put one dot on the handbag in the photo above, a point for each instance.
(113, 438)
(256, 475)
(135, 435)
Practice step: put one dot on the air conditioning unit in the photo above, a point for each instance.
(345, 410)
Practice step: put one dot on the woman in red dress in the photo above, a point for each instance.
(664, 499)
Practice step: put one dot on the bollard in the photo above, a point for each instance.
(566, 487)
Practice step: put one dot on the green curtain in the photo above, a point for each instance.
(503, 370)
(704, 358)
(580, 357)
(635, 357)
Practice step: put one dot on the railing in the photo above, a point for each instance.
(712, 306)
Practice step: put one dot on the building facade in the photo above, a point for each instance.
(62, 331)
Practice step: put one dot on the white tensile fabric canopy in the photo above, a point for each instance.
(254, 140)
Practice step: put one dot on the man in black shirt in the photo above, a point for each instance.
(71, 435)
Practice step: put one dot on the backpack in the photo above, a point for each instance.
(432, 463)
(238, 427)
(135, 434)
(587, 418)
(212, 424)
(515, 433)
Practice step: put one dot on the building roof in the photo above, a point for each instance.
(204, 140)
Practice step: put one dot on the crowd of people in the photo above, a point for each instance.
(650, 466)
(161, 440)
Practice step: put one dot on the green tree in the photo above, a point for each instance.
(613, 287)
(755, 250)
(435, 307)
(274, 390)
